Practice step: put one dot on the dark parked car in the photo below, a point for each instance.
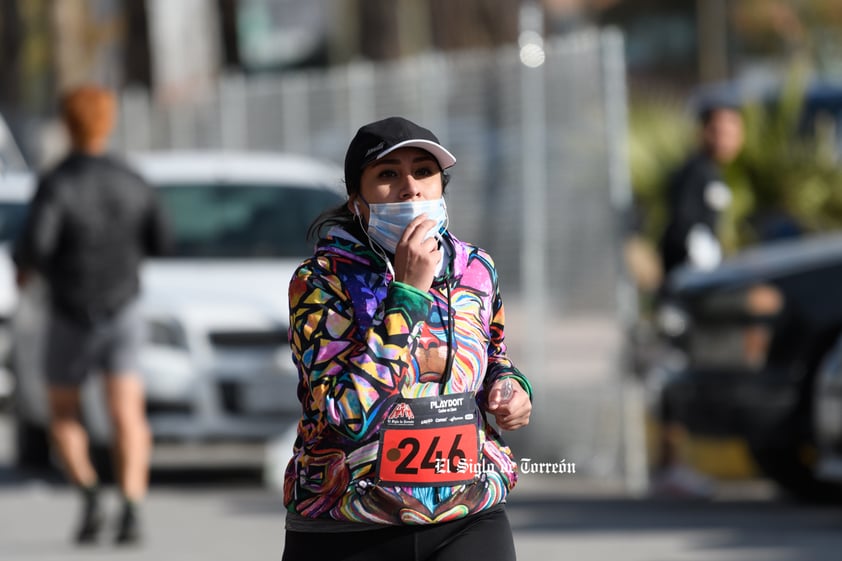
(755, 352)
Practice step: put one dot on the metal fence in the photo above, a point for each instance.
(540, 182)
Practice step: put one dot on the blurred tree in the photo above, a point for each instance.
(784, 173)
(11, 39)
(228, 24)
(379, 29)
(690, 41)
(783, 28)
(390, 29)
(87, 40)
(27, 68)
(474, 23)
(138, 68)
(768, 26)
(787, 178)
(713, 43)
(661, 133)
(661, 38)
(36, 70)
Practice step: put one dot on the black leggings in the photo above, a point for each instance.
(485, 536)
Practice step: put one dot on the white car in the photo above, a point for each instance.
(16, 189)
(216, 365)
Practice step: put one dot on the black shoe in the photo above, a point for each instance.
(92, 518)
(128, 532)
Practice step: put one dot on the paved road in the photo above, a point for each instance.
(745, 522)
(232, 516)
(219, 520)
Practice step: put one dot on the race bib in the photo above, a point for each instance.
(429, 441)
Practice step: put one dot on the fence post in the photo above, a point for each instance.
(533, 115)
(136, 118)
(433, 98)
(295, 107)
(360, 78)
(612, 56)
(233, 112)
(180, 116)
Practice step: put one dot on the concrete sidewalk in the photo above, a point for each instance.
(553, 517)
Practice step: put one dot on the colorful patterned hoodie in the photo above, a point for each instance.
(359, 340)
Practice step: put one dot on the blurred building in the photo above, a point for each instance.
(179, 49)
(687, 42)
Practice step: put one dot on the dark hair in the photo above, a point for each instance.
(376, 139)
(706, 112)
(337, 216)
(342, 216)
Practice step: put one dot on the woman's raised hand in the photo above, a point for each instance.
(417, 256)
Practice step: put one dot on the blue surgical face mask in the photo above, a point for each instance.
(387, 221)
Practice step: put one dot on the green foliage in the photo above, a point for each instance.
(660, 135)
(782, 171)
(779, 171)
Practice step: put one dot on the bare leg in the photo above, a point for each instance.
(71, 442)
(132, 438)
(69, 436)
(671, 436)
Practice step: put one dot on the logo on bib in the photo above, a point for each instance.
(401, 412)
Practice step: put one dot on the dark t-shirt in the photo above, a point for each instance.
(687, 207)
(90, 224)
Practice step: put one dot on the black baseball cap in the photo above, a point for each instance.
(377, 139)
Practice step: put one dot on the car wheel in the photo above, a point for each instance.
(790, 454)
(791, 469)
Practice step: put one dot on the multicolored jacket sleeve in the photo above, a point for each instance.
(349, 369)
(499, 364)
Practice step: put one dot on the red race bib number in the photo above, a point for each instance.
(430, 441)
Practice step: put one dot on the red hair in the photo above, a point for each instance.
(89, 113)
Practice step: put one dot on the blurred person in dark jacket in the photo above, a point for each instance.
(697, 196)
(697, 193)
(91, 223)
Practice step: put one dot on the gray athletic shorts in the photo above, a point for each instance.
(109, 346)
